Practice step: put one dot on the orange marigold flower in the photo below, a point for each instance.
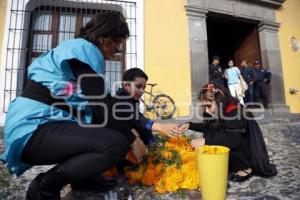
(168, 176)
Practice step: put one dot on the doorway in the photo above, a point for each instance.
(232, 38)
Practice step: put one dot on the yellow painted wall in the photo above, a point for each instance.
(3, 6)
(167, 50)
(289, 17)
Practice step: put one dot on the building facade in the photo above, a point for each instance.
(172, 40)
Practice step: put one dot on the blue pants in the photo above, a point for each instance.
(249, 96)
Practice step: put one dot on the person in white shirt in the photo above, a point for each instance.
(233, 75)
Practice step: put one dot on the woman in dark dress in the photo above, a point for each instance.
(226, 123)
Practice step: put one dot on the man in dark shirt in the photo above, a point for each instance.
(249, 76)
(216, 75)
(263, 77)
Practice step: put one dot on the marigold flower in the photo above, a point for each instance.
(165, 174)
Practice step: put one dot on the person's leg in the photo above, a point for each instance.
(80, 152)
(238, 160)
(246, 98)
(256, 92)
(259, 93)
(249, 96)
(232, 90)
(241, 100)
(264, 94)
(250, 93)
(75, 147)
(238, 93)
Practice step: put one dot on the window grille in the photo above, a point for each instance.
(38, 25)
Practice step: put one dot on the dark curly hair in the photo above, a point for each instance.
(107, 25)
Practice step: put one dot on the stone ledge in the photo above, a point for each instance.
(269, 3)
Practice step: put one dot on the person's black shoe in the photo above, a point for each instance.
(38, 191)
(47, 186)
(237, 178)
(97, 183)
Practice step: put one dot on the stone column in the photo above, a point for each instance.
(198, 49)
(271, 59)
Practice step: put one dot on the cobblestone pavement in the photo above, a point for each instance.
(283, 142)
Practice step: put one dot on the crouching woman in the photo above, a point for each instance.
(226, 123)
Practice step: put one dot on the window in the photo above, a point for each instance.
(52, 26)
(36, 26)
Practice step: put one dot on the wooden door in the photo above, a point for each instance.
(249, 49)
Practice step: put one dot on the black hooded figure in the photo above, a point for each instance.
(227, 123)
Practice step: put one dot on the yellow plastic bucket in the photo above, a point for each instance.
(212, 162)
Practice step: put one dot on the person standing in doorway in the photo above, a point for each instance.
(263, 77)
(249, 76)
(233, 74)
(216, 75)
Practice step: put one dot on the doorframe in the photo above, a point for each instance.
(268, 28)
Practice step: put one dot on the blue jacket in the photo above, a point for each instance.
(248, 73)
(51, 70)
(263, 74)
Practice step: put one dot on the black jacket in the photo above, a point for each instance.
(228, 134)
(137, 119)
(95, 86)
(216, 75)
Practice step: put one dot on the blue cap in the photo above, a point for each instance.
(216, 58)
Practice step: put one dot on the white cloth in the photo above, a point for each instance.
(236, 91)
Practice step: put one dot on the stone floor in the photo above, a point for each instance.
(283, 141)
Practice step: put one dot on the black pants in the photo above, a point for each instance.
(81, 152)
(261, 93)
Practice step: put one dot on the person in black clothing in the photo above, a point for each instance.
(80, 153)
(263, 77)
(249, 76)
(225, 125)
(216, 74)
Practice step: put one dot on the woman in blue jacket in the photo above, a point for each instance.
(59, 120)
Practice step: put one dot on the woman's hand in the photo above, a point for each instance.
(199, 142)
(171, 130)
(184, 127)
(139, 149)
